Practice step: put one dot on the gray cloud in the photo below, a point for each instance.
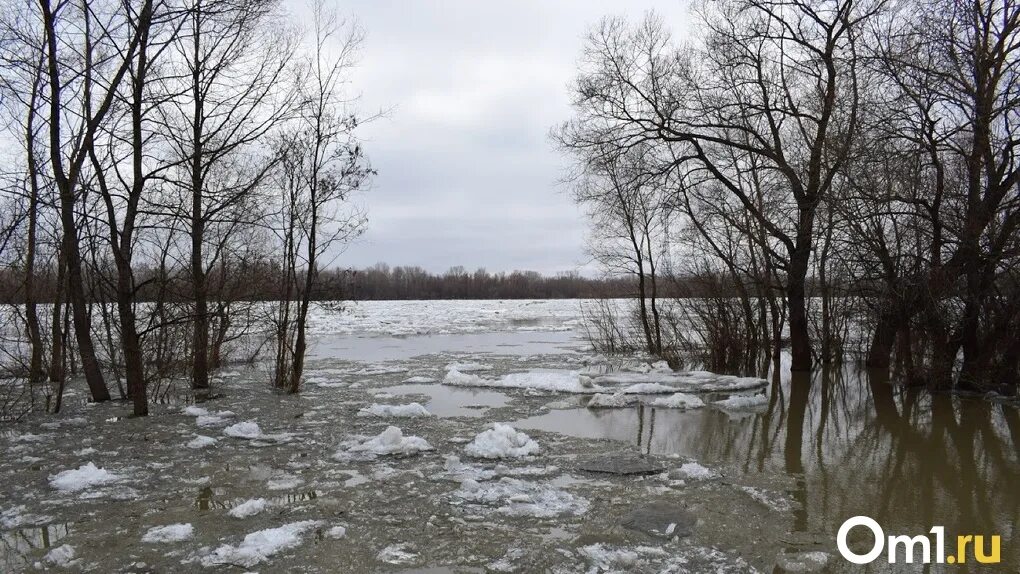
(467, 174)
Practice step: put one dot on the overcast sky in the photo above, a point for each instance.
(467, 173)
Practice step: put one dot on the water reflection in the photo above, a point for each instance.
(445, 401)
(855, 446)
(211, 498)
(16, 546)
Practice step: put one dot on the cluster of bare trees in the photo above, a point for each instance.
(168, 147)
(849, 166)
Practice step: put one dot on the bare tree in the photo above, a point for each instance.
(774, 85)
(622, 194)
(235, 89)
(78, 106)
(322, 164)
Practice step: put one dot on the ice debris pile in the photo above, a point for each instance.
(259, 546)
(85, 476)
(408, 411)
(389, 442)
(630, 380)
(515, 497)
(501, 441)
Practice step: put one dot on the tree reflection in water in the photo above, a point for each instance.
(851, 444)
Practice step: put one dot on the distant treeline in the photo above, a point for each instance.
(384, 282)
(264, 282)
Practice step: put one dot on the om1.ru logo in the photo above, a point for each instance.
(911, 545)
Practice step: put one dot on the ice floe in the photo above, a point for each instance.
(337, 532)
(568, 381)
(773, 500)
(169, 533)
(468, 367)
(201, 441)
(693, 471)
(411, 410)
(681, 381)
(615, 400)
(249, 508)
(693, 559)
(247, 430)
(501, 441)
(401, 553)
(743, 402)
(62, 556)
(85, 476)
(420, 379)
(795, 562)
(515, 497)
(389, 442)
(678, 401)
(259, 546)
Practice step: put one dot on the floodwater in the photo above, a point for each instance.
(781, 477)
(850, 445)
(387, 348)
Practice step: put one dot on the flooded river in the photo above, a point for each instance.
(744, 478)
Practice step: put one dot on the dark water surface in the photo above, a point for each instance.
(854, 446)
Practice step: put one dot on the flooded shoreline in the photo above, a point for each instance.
(764, 487)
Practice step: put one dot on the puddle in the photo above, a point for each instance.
(447, 401)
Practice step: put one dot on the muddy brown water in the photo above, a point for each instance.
(823, 449)
(852, 445)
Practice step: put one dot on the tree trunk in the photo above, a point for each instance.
(131, 344)
(800, 339)
(36, 373)
(880, 352)
(200, 342)
(76, 294)
(66, 183)
(56, 371)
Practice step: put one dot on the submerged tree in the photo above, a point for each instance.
(234, 90)
(321, 165)
(857, 159)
